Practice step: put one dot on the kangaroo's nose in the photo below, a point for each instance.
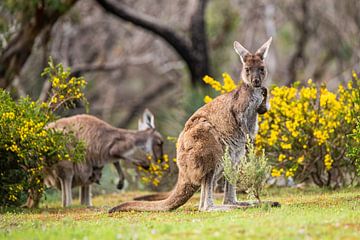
(257, 82)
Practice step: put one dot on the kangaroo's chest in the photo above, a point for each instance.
(250, 113)
(247, 123)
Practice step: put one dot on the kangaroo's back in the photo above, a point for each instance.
(85, 127)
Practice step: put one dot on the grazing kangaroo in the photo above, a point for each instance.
(225, 121)
(104, 144)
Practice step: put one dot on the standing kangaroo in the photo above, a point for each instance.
(104, 144)
(225, 121)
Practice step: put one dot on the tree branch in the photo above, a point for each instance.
(181, 45)
(299, 54)
(194, 53)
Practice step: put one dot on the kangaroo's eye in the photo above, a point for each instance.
(261, 69)
(247, 70)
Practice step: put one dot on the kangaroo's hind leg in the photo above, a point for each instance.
(85, 195)
(230, 196)
(230, 190)
(206, 199)
(66, 194)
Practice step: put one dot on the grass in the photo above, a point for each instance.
(309, 213)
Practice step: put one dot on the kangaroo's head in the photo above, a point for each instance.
(254, 71)
(152, 140)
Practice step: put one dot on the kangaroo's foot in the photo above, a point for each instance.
(221, 208)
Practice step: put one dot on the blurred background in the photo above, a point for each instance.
(153, 54)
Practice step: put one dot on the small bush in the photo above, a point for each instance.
(26, 145)
(250, 173)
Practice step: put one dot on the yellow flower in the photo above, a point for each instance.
(289, 173)
(285, 145)
(281, 157)
(328, 162)
(229, 84)
(14, 148)
(207, 99)
(300, 160)
(55, 82)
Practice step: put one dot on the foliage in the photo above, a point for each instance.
(66, 90)
(354, 147)
(250, 173)
(305, 133)
(27, 147)
(14, 14)
(23, 10)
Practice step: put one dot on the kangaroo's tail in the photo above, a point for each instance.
(153, 197)
(178, 197)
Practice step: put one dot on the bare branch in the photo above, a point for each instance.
(182, 46)
(194, 51)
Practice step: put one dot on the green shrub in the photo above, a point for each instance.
(250, 173)
(26, 145)
(354, 147)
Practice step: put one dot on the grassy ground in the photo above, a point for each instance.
(310, 213)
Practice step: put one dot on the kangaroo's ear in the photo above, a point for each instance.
(239, 49)
(146, 121)
(263, 50)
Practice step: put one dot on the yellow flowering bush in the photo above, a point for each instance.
(27, 146)
(65, 90)
(157, 170)
(227, 86)
(306, 132)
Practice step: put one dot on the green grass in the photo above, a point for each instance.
(309, 213)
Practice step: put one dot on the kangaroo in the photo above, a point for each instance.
(225, 121)
(104, 144)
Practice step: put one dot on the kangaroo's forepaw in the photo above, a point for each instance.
(222, 208)
(120, 185)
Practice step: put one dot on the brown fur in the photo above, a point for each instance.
(224, 122)
(104, 144)
(201, 146)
